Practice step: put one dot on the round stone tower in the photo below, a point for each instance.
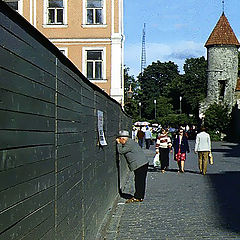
(222, 56)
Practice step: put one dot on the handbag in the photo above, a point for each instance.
(156, 162)
(210, 158)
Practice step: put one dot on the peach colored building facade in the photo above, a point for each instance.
(88, 32)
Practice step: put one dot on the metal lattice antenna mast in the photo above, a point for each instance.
(143, 57)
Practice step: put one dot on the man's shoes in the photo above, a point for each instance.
(133, 199)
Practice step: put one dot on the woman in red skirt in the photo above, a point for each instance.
(181, 147)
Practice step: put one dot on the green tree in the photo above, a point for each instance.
(174, 90)
(130, 102)
(163, 106)
(194, 84)
(217, 119)
(176, 120)
(163, 82)
(154, 83)
(130, 80)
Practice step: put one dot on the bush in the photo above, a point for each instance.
(176, 120)
(217, 119)
(215, 136)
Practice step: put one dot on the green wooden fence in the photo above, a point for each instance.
(56, 182)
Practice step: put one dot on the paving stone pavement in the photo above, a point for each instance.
(184, 205)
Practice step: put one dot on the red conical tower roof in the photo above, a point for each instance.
(222, 34)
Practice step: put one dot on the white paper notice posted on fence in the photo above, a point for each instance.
(102, 139)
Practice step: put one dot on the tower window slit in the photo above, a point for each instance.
(222, 87)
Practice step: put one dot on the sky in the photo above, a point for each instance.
(175, 29)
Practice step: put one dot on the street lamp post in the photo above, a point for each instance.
(155, 102)
(140, 104)
(180, 98)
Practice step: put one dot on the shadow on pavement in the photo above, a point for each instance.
(229, 150)
(227, 198)
(125, 195)
(151, 168)
(185, 171)
(157, 169)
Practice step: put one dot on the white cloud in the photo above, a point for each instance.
(175, 52)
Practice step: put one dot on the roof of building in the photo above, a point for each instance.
(222, 34)
(238, 85)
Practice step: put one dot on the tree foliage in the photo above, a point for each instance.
(153, 84)
(176, 120)
(129, 80)
(217, 118)
(131, 104)
(157, 77)
(163, 82)
(194, 84)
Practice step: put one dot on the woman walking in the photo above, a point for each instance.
(163, 145)
(180, 145)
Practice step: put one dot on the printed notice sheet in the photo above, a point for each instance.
(102, 139)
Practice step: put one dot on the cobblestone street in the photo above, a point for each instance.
(184, 205)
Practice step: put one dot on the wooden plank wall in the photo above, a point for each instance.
(55, 180)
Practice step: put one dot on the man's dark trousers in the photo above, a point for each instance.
(148, 143)
(140, 181)
(140, 142)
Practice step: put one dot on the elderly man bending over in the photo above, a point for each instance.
(137, 162)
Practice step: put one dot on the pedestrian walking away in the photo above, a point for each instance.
(137, 162)
(203, 148)
(140, 137)
(181, 147)
(148, 137)
(163, 146)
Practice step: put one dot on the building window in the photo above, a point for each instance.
(94, 11)
(94, 64)
(64, 51)
(13, 4)
(16, 5)
(55, 11)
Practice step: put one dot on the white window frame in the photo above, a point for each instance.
(86, 24)
(20, 7)
(45, 14)
(64, 50)
(84, 62)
